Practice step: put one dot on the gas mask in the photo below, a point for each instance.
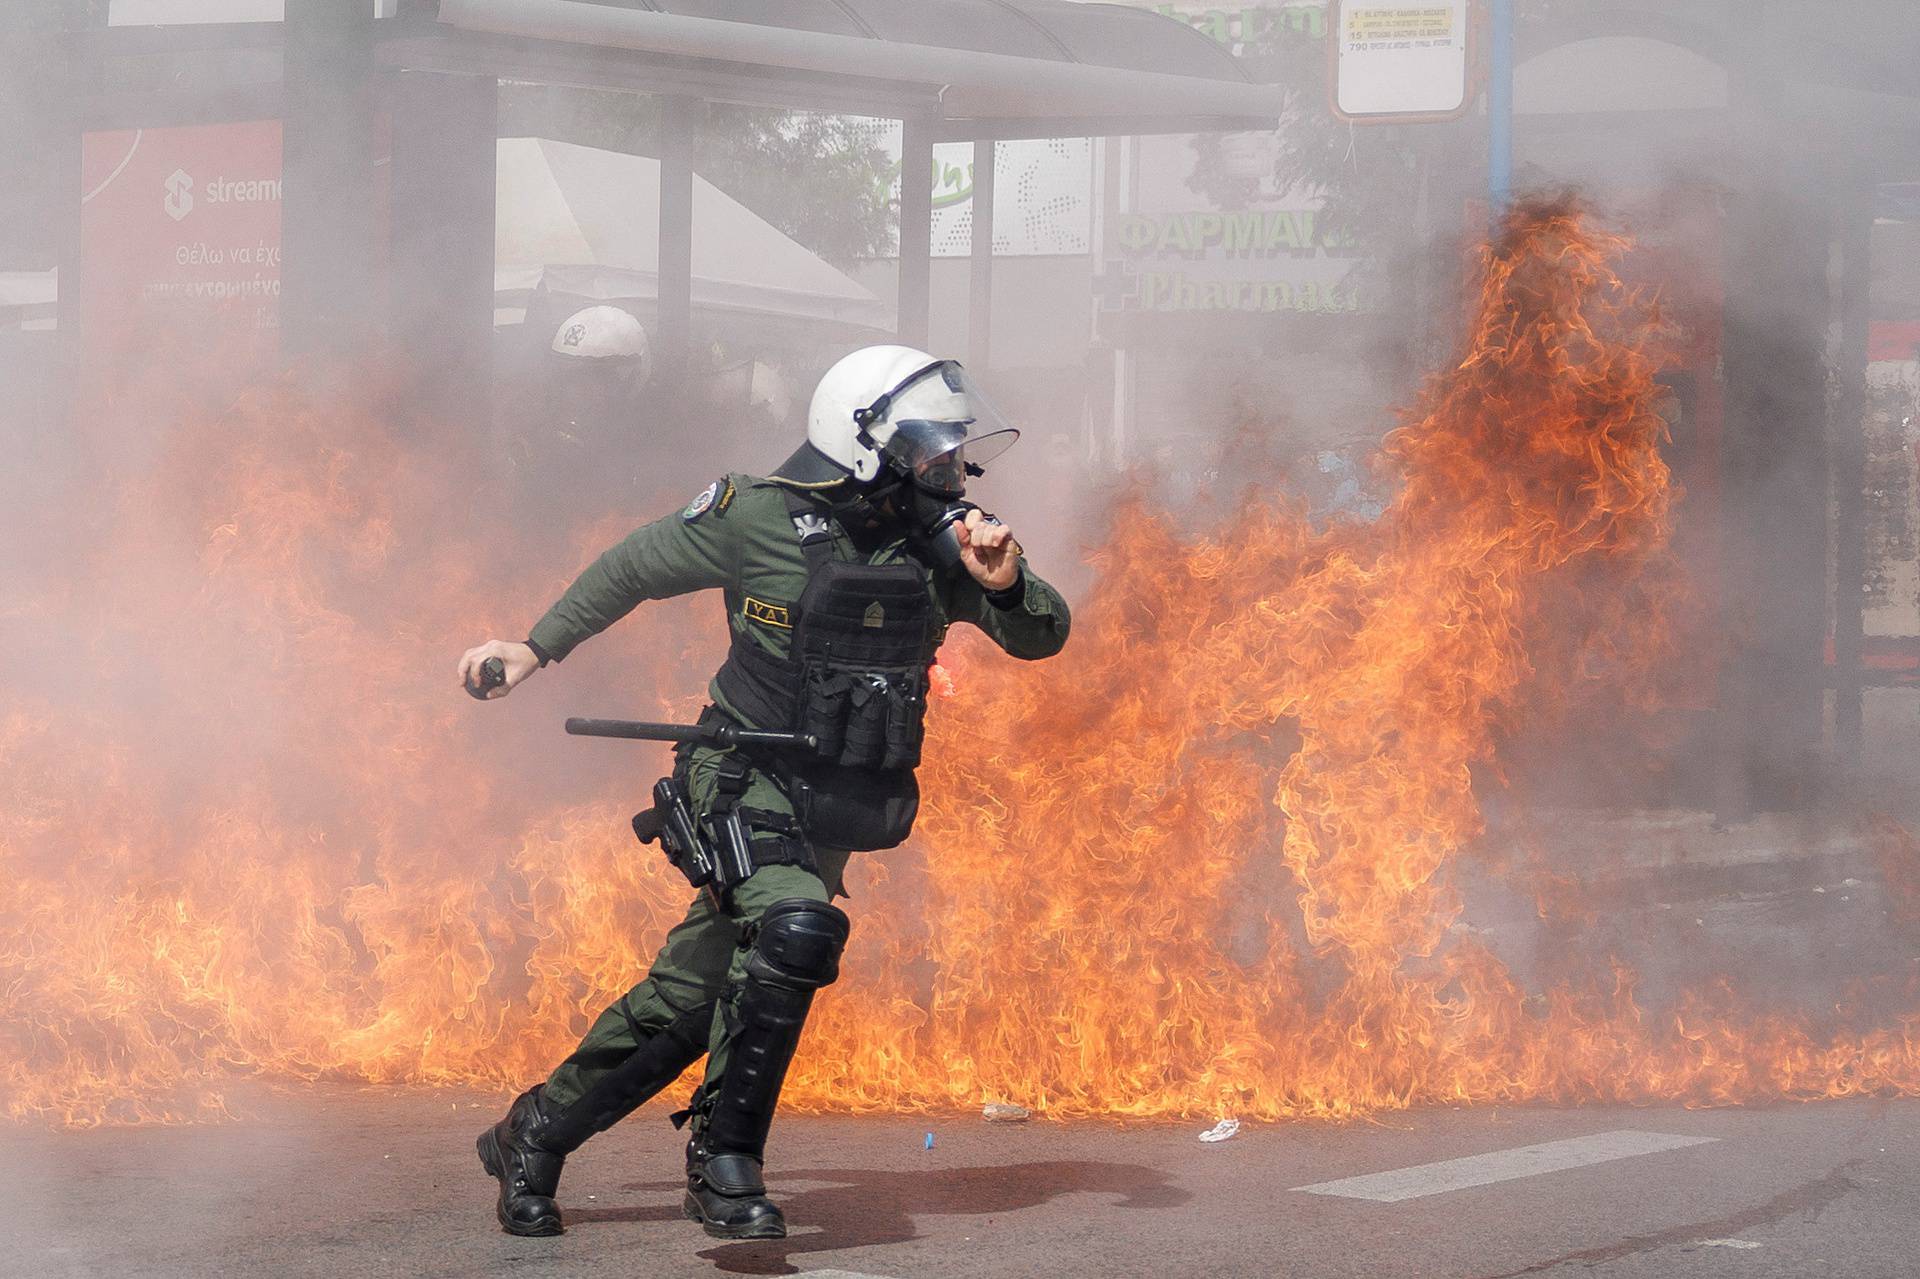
(926, 430)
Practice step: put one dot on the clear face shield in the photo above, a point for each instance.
(944, 429)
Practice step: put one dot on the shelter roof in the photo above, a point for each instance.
(976, 68)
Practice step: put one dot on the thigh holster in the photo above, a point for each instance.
(725, 845)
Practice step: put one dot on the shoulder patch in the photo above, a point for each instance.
(726, 495)
(702, 504)
(767, 614)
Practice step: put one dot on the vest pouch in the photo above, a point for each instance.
(906, 720)
(857, 809)
(866, 740)
(826, 697)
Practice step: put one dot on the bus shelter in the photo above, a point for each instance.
(418, 79)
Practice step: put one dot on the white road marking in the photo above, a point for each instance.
(1730, 1243)
(837, 1274)
(1502, 1165)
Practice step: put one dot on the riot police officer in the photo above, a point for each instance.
(842, 572)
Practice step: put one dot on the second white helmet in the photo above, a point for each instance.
(601, 333)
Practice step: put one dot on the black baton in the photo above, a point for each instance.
(715, 734)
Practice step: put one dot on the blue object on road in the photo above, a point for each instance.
(929, 1144)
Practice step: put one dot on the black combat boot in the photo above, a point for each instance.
(529, 1172)
(795, 951)
(527, 1148)
(727, 1197)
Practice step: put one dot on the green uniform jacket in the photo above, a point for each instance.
(738, 537)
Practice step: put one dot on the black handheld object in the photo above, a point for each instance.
(942, 537)
(493, 673)
(716, 734)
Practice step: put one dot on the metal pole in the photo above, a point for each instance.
(1850, 461)
(1125, 153)
(35, 101)
(326, 215)
(980, 292)
(443, 177)
(74, 76)
(1775, 463)
(1500, 106)
(1750, 88)
(916, 229)
(682, 119)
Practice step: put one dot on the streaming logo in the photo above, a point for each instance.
(179, 201)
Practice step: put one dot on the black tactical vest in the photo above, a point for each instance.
(856, 673)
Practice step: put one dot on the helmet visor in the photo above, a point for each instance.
(942, 424)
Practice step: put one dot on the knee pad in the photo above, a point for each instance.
(798, 944)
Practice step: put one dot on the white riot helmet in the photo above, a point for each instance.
(894, 409)
(597, 334)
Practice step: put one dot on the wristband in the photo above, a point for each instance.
(1010, 597)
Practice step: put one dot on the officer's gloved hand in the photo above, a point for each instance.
(518, 660)
(989, 552)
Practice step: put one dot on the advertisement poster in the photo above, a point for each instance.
(179, 229)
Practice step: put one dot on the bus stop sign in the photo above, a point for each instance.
(1400, 62)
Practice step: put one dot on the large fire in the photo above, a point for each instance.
(1204, 863)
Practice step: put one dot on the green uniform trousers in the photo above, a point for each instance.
(703, 959)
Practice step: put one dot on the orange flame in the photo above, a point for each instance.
(1203, 863)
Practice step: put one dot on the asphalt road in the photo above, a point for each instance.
(341, 1182)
